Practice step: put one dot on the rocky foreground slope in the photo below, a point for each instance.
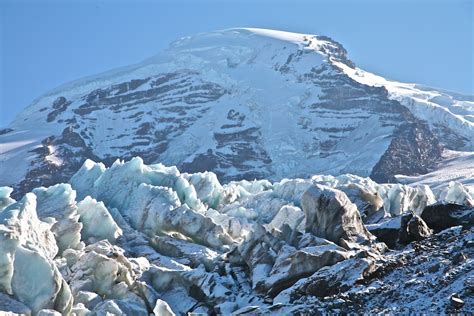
(136, 239)
(244, 104)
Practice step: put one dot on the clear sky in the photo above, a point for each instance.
(46, 43)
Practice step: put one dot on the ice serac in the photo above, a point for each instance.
(97, 222)
(5, 198)
(58, 203)
(27, 250)
(156, 199)
(244, 104)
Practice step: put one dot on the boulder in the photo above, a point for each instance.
(329, 280)
(387, 231)
(413, 228)
(456, 301)
(339, 277)
(331, 215)
(440, 216)
(291, 265)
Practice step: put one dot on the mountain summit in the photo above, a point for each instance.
(244, 103)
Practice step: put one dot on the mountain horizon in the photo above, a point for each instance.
(322, 115)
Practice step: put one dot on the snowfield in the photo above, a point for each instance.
(141, 239)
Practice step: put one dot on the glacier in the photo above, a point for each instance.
(137, 238)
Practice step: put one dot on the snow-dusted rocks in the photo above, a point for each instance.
(136, 239)
(331, 215)
(387, 230)
(293, 264)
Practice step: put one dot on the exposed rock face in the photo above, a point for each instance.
(411, 152)
(338, 278)
(56, 159)
(294, 265)
(331, 215)
(403, 282)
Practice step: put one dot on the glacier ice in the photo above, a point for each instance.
(27, 250)
(58, 203)
(5, 198)
(97, 223)
(162, 309)
(456, 193)
(140, 239)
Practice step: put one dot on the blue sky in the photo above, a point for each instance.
(46, 43)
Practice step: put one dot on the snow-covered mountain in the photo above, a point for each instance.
(244, 103)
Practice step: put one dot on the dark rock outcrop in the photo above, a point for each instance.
(413, 228)
(440, 216)
(414, 150)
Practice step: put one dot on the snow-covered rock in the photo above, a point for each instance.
(387, 230)
(292, 265)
